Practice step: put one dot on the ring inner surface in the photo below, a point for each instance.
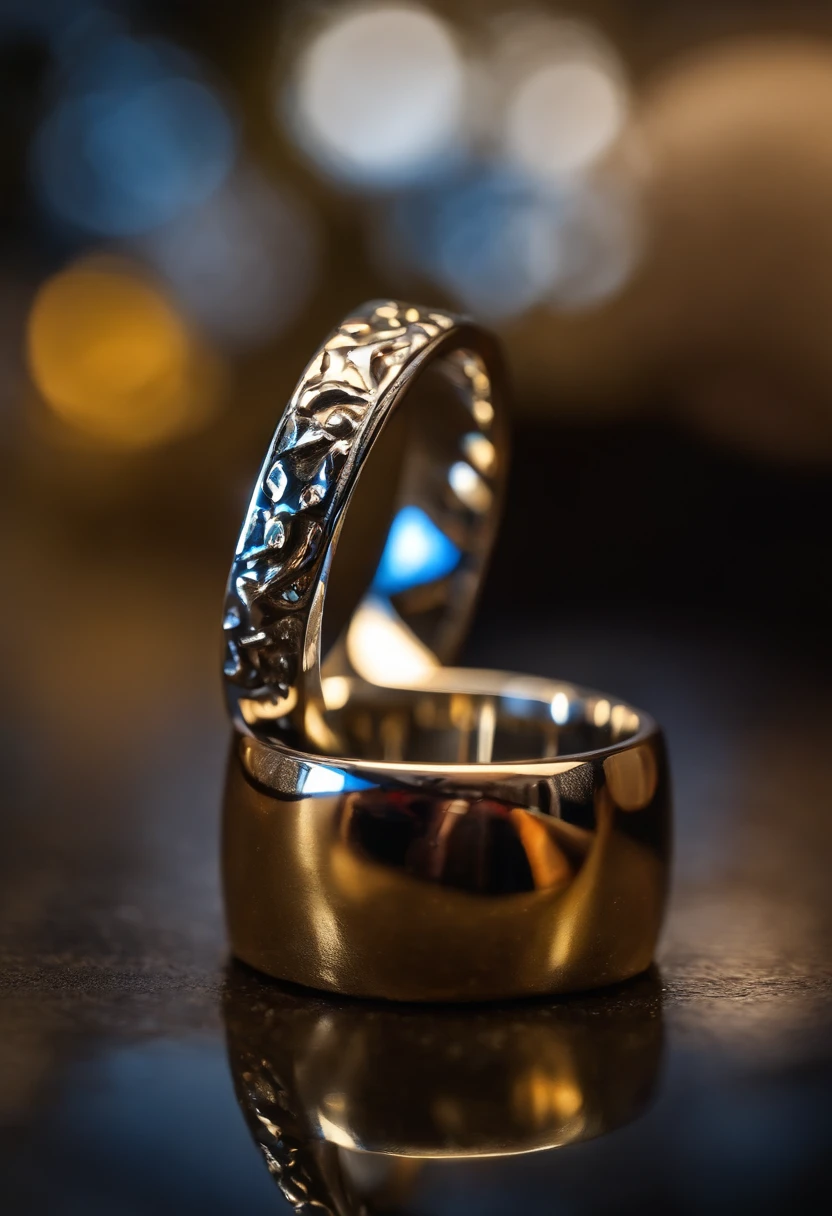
(402, 725)
(417, 529)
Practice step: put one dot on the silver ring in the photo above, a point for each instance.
(349, 439)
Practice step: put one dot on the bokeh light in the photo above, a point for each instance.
(742, 199)
(379, 94)
(499, 244)
(541, 205)
(244, 263)
(601, 242)
(568, 104)
(488, 239)
(134, 138)
(112, 358)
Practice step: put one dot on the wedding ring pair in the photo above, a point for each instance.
(395, 827)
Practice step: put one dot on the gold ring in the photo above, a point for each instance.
(438, 862)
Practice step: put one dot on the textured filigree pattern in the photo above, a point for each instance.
(268, 1112)
(294, 507)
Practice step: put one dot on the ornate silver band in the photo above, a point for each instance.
(432, 497)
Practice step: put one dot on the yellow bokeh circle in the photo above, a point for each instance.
(112, 357)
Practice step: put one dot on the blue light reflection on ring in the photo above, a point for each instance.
(416, 552)
(321, 780)
(135, 137)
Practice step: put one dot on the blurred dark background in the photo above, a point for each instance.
(638, 197)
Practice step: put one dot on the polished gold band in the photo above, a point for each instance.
(438, 862)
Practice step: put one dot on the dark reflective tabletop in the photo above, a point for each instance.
(141, 1073)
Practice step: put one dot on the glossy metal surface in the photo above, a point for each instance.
(442, 864)
(393, 438)
(323, 1081)
(115, 1088)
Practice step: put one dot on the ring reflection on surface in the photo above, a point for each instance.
(328, 1084)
